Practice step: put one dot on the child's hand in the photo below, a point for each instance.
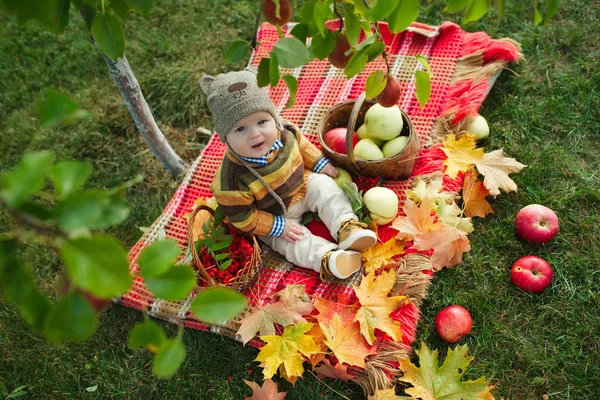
(330, 170)
(293, 231)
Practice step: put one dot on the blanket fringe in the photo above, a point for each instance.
(382, 368)
(411, 281)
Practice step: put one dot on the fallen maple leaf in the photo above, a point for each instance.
(448, 244)
(376, 305)
(418, 219)
(495, 169)
(461, 153)
(433, 190)
(346, 342)
(268, 391)
(318, 337)
(386, 394)
(292, 305)
(381, 254)
(473, 195)
(339, 371)
(327, 309)
(431, 382)
(451, 215)
(289, 350)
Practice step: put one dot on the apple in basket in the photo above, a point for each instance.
(335, 139)
(452, 323)
(383, 123)
(364, 134)
(367, 149)
(394, 146)
(382, 204)
(536, 223)
(531, 274)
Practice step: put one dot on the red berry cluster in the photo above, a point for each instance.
(365, 183)
(240, 250)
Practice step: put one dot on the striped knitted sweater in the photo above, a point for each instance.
(244, 199)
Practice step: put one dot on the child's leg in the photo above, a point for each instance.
(307, 252)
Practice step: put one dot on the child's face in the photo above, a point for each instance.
(253, 135)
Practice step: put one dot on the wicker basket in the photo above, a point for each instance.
(245, 275)
(351, 114)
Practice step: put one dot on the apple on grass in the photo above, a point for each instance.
(536, 223)
(531, 274)
(452, 323)
(335, 139)
(384, 123)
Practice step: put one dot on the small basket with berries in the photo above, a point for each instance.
(223, 255)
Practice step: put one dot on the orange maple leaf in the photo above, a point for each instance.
(318, 337)
(339, 371)
(376, 305)
(448, 244)
(268, 391)
(461, 153)
(418, 219)
(346, 342)
(473, 194)
(382, 254)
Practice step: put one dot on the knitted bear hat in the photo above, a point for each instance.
(233, 96)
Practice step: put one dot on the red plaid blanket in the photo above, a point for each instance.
(464, 67)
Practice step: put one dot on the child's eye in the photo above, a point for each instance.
(262, 121)
(240, 129)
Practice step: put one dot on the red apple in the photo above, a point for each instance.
(452, 323)
(335, 139)
(536, 223)
(531, 274)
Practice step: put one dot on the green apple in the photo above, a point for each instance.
(362, 133)
(382, 204)
(479, 127)
(383, 123)
(367, 150)
(343, 177)
(394, 146)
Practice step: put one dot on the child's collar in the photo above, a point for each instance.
(236, 158)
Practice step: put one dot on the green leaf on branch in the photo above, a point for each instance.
(169, 358)
(405, 14)
(109, 35)
(92, 209)
(141, 7)
(423, 85)
(57, 107)
(26, 179)
(374, 50)
(263, 77)
(382, 9)
(476, 9)
(291, 53)
(367, 42)
(157, 258)
(552, 7)
(537, 17)
(121, 9)
(217, 305)
(274, 70)
(175, 284)
(323, 45)
(300, 32)
(322, 12)
(425, 63)
(375, 84)
(98, 265)
(72, 318)
(356, 64)
(353, 28)
(292, 84)
(455, 6)
(147, 334)
(307, 12)
(237, 51)
(68, 176)
(53, 14)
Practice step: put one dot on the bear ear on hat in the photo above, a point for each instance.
(204, 83)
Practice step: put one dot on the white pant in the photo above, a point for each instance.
(325, 197)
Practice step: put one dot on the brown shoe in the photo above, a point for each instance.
(340, 263)
(354, 235)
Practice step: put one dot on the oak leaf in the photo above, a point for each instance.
(338, 371)
(461, 153)
(293, 303)
(382, 254)
(495, 169)
(418, 219)
(268, 391)
(433, 190)
(452, 215)
(376, 305)
(448, 244)
(431, 382)
(289, 350)
(473, 195)
(346, 341)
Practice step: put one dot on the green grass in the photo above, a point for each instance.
(546, 114)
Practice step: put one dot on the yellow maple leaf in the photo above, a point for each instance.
(433, 190)
(381, 254)
(385, 394)
(461, 153)
(346, 342)
(376, 305)
(289, 350)
(431, 382)
(418, 219)
(473, 195)
(451, 215)
(448, 244)
(495, 169)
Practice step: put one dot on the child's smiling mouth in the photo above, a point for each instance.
(259, 145)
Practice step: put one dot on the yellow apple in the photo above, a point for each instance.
(382, 204)
(343, 177)
(394, 146)
(383, 123)
(367, 150)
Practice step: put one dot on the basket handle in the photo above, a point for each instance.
(192, 245)
(351, 124)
